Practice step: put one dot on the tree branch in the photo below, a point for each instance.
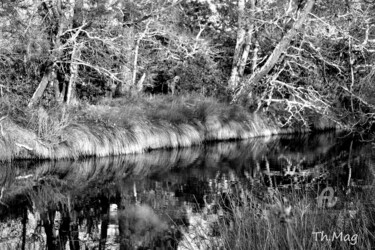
(277, 52)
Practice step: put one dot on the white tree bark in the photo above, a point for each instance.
(71, 94)
(49, 76)
(135, 61)
(245, 32)
(233, 80)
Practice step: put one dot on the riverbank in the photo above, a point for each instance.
(127, 126)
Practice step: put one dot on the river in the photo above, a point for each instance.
(158, 200)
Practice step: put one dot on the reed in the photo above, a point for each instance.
(293, 223)
(123, 126)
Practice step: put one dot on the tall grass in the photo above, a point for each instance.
(294, 223)
(126, 126)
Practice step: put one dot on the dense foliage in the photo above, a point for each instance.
(59, 51)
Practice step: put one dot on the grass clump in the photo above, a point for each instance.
(123, 126)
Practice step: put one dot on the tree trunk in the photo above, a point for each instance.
(56, 14)
(56, 52)
(135, 88)
(351, 63)
(140, 83)
(123, 87)
(135, 62)
(243, 44)
(233, 80)
(77, 22)
(245, 53)
(105, 222)
(255, 57)
(47, 220)
(277, 52)
(71, 95)
(173, 83)
(48, 76)
(59, 94)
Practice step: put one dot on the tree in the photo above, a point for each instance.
(277, 52)
(245, 30)
(300, 58)
(57, 26)
(324, 70)
(75, 45)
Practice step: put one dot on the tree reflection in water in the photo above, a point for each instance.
(158, 200)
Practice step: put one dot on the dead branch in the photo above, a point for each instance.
(24, 146)
(3, 118)
(23, 177)
(100, 70)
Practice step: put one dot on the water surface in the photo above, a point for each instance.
(154, 200)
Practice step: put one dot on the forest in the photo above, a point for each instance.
(91, 89)
(297, 64)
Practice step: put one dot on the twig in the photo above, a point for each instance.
(349, 165)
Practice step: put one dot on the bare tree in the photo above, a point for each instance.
(280, 48)
(50, 11)
(53, 11)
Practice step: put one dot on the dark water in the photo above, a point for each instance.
(151, 201)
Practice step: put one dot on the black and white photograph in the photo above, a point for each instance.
(187, 124)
